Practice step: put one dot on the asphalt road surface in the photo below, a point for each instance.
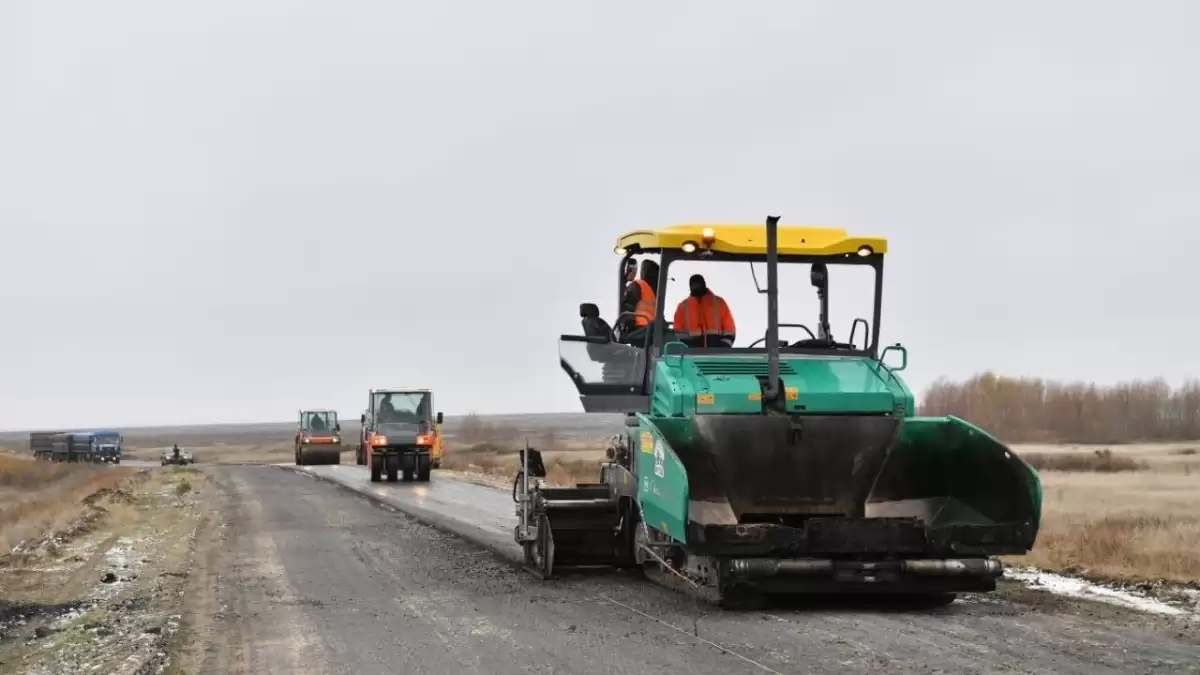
(314, 577)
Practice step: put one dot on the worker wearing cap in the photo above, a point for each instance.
(640, 297)
(705, 316)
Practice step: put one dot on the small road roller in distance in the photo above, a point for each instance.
(318, 438)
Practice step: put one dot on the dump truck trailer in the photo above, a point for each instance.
(41, 444)
(783, 466)
(72, 447)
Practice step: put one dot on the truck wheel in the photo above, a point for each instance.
(301, 460)
(376, 472)
(337, 458)
(393, 469)
(408, 475)
(423, 473)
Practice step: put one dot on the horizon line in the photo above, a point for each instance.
(161, 425)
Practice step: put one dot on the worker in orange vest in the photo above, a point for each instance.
(640, 296)
(705, 316)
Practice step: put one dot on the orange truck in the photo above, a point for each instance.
(400, 435)
(318, 438)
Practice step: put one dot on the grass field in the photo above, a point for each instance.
(1140, 521)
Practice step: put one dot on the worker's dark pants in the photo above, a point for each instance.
(637, 337)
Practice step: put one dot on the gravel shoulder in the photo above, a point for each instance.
(105, 594)
(316, 578)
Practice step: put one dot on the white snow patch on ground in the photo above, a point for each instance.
(1078, 588)
(124, 563)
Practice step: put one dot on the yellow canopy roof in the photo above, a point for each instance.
(752, 239)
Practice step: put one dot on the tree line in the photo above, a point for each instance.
(1029, 409)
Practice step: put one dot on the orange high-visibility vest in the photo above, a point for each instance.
(644, 311)
(704, 317)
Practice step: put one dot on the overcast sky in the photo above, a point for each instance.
(227, 210)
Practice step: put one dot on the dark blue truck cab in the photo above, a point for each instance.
(107, 446)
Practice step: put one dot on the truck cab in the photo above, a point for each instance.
(400, 434)
(107, 446)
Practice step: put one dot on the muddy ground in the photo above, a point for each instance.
(271, 570)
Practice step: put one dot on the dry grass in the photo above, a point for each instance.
(40, 497)
(1119, 525)
(563, 467)
(1102, 461)
(493, 450)
(484, 447)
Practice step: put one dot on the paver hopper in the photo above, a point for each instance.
(779, 467)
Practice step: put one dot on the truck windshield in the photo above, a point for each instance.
(402, 406)
(320, 421)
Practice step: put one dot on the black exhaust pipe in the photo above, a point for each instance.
(773, 395)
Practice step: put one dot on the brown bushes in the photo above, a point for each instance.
(1021, 410)
(1102, 461)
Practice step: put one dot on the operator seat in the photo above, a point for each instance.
(613, 367)
(593, 324)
